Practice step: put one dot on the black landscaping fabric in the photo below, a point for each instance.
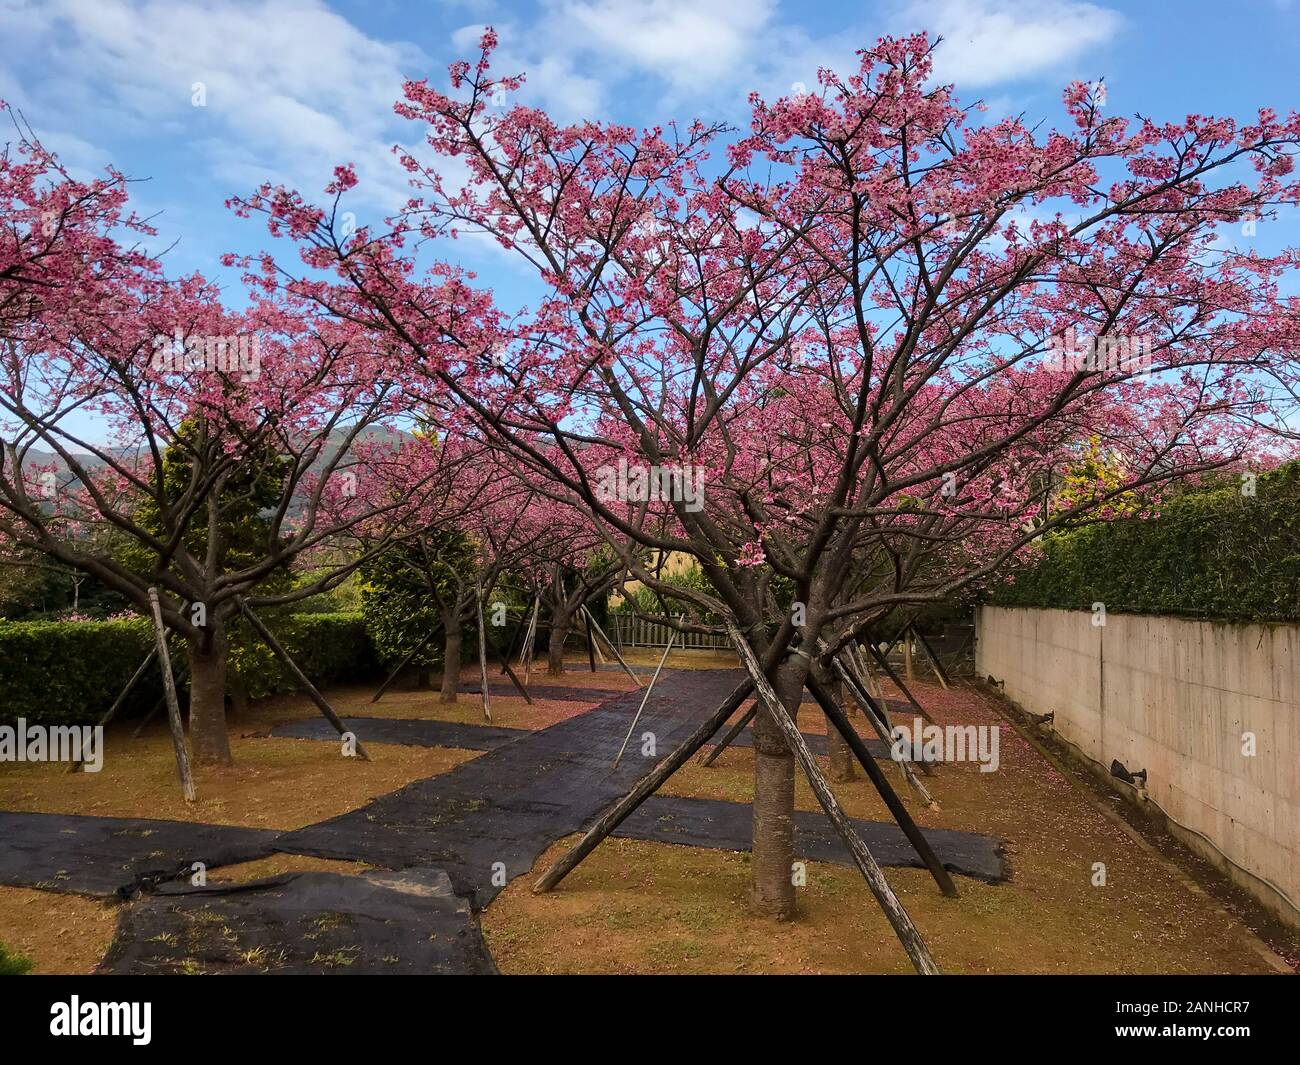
(410, 732)
(728, 826)
(562, 693)
(107, 856)
(385, 923)
(430, 733)
(486, 821)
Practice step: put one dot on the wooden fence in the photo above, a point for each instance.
(628, 630)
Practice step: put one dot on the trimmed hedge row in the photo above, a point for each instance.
(1216, 553)
(69, 672)
(329, 648)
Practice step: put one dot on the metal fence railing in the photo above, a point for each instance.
(628, 630)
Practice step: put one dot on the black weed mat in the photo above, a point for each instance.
(728, 826)
(376, 923)
(561, 693)
(115, 855)
(486, 821)
(412, 733)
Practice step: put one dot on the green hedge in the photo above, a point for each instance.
(1215, 553)
(329, 648)
(69, 672)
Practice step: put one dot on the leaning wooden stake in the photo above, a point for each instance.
(117, 703)
(505, 665)
(835, 713)
(601, 633)
(169, 693)
(902, 924)
(644, 699)
(144, 721)
(482, 652)
(616, 814)
(939, 671)
(526, 651)
(591, 646)
(404, 662)
(876, 716)
(268, 637)
(510, 646)
(898, 682)
(732, 733)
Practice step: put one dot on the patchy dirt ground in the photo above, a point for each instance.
(640, 907)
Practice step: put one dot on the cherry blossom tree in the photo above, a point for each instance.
(222, 446)
(878, 323)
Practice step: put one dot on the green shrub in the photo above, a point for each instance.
(13, 964)
(329, 648)
(1214, 553)
(69, 672)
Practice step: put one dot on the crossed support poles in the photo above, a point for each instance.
(268, 637)
(161, 652)
(757, 683)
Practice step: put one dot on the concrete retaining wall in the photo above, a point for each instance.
(1176, 698)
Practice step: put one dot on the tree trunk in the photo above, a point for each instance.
(773, 855)
(208, 658)
(450, 660)
(555, 647)
(839, 756)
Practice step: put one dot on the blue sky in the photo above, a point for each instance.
(295, 86)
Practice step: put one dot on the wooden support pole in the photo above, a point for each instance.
(514, 678)
(939, 671)
(616, 814)
(144, 721)
(482, 652)
(835, 713)
(169, 693)
(530, 647)
(268, 637)
(644, 699)
(510, 648)
(117, 703)
(591, 645)
(595, 625)
(898, 681)
(732, 733)
(897, 916)
(405, 661)
(876, 716)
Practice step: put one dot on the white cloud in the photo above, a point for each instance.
(987, 42)
(686, 42)
(292, 89)
(703, 57)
